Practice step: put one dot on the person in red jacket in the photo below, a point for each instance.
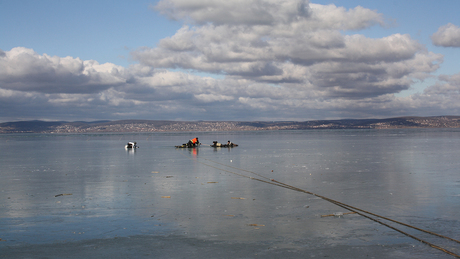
(193, 142)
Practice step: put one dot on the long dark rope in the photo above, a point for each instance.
(333, 201)
(340, 204)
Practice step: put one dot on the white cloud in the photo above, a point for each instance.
(254, 12)
(447, 36)
(309, 51)
(448, 86)
(213, 97)
(23, 69)
(339, 18)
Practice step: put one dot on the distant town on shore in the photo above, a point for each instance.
(180, 126)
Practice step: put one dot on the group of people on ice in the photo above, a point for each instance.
(195, 142)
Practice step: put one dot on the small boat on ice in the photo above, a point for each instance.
(188, 145)
(191, 143)
(131, 145)
(229, 144)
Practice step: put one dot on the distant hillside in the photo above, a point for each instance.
(175, 126)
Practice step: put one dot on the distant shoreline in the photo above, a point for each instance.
(186, 126)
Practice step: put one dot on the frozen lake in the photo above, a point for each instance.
(84, 195)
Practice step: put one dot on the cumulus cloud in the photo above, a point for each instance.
(293, 42)
(268, 13)
(254, 12)
(448, 87)
(23, 69)
(447, 36)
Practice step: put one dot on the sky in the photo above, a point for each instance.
(220, 60)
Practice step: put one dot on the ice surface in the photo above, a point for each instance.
(86, 196)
